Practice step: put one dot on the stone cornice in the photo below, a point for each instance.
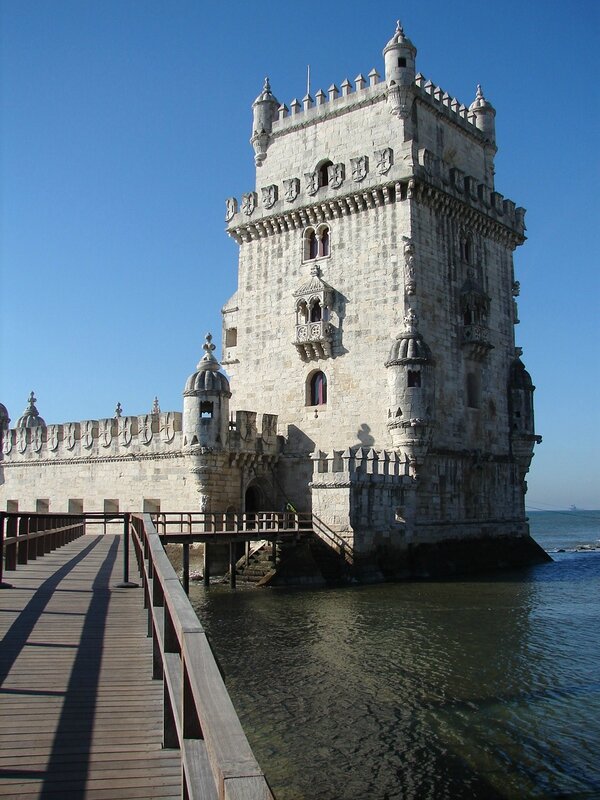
(49, 462)
(420, 189)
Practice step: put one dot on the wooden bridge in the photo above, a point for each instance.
(109, 689)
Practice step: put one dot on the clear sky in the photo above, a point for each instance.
(126, 123)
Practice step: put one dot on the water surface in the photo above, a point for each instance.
(485, 688)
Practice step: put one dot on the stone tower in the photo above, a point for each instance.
(375, 211)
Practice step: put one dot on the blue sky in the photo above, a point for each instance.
(125, 125)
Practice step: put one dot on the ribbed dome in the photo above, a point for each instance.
(519, 378)
(207, 377)
(480, 101)
(205, 380)
(31, 416)
(400, 39)
(409, 347)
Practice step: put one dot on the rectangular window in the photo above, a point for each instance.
(42, 506)
(151, 506)
(12, 506)
(206, 410)
(75, 506)
(231, 337)
(111, 506)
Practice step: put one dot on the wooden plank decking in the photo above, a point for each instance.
(80, 716)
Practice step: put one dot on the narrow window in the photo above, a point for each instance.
(414, 378)
(324, 242)
(42, 506)
(315, 312)
(313, 245)
(231, 337)
(324, 173)
(206, 409)
(468, 317)
(301, 313)
(75, 506)
(318, 389)
(473, 390)
(401, 62)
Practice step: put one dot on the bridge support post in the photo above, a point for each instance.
(2, 526)
(206, 567)
(232, 563)
(186, 567)
(126, 583)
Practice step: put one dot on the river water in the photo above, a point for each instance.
(486, 688)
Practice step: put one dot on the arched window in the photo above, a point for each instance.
(473, 390)
(324, 173)
(318, 389)
(313, 245)
(324, 241)
(316, 312)
(301, 313)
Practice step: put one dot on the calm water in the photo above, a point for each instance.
(454, 689)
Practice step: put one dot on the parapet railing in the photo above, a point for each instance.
(270, 523)
(199, 717)
(27, 536)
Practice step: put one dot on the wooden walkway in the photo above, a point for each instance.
(80, 716)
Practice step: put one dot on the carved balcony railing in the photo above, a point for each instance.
(475, 340)
(313, 340)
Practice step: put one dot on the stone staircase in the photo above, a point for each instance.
(307, 562)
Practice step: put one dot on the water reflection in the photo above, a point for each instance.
(425, 690)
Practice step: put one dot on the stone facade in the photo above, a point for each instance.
(372, 331)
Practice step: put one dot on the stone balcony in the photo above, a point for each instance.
(313, 340)
(475, 339)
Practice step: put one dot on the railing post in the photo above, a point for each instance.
(206, 565)
(3, 585)
(126, 583)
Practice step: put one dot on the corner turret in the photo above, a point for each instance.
(484, 114)
(31, 416)
(399, 55)
(520, 407)
(264, 112)
(411, 379)
(206, 404)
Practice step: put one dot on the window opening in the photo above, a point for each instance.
(42, 506)
(313, 245)
(324, 173)
(318, 389)
(401, 62)
(414, 378)
(472, 390)
(206, 409)
(316, 312)
(231, 337)
(75, 506)
(12, 506)
(111, 506)
(324, 242)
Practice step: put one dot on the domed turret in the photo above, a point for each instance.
(484, 114)
(399, 55)
(31, 416)
(264, 112)
(206, 403)
(520, 413)
(411, 379)
(4, 418)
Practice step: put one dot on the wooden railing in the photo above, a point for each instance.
(199, 717)
(253, 524)
(27, 536)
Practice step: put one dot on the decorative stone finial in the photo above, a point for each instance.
(411, 321)
(208, 361)
(31, 409)
(155, 406)
(118, 411)
(399, 28)
(267, 85)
